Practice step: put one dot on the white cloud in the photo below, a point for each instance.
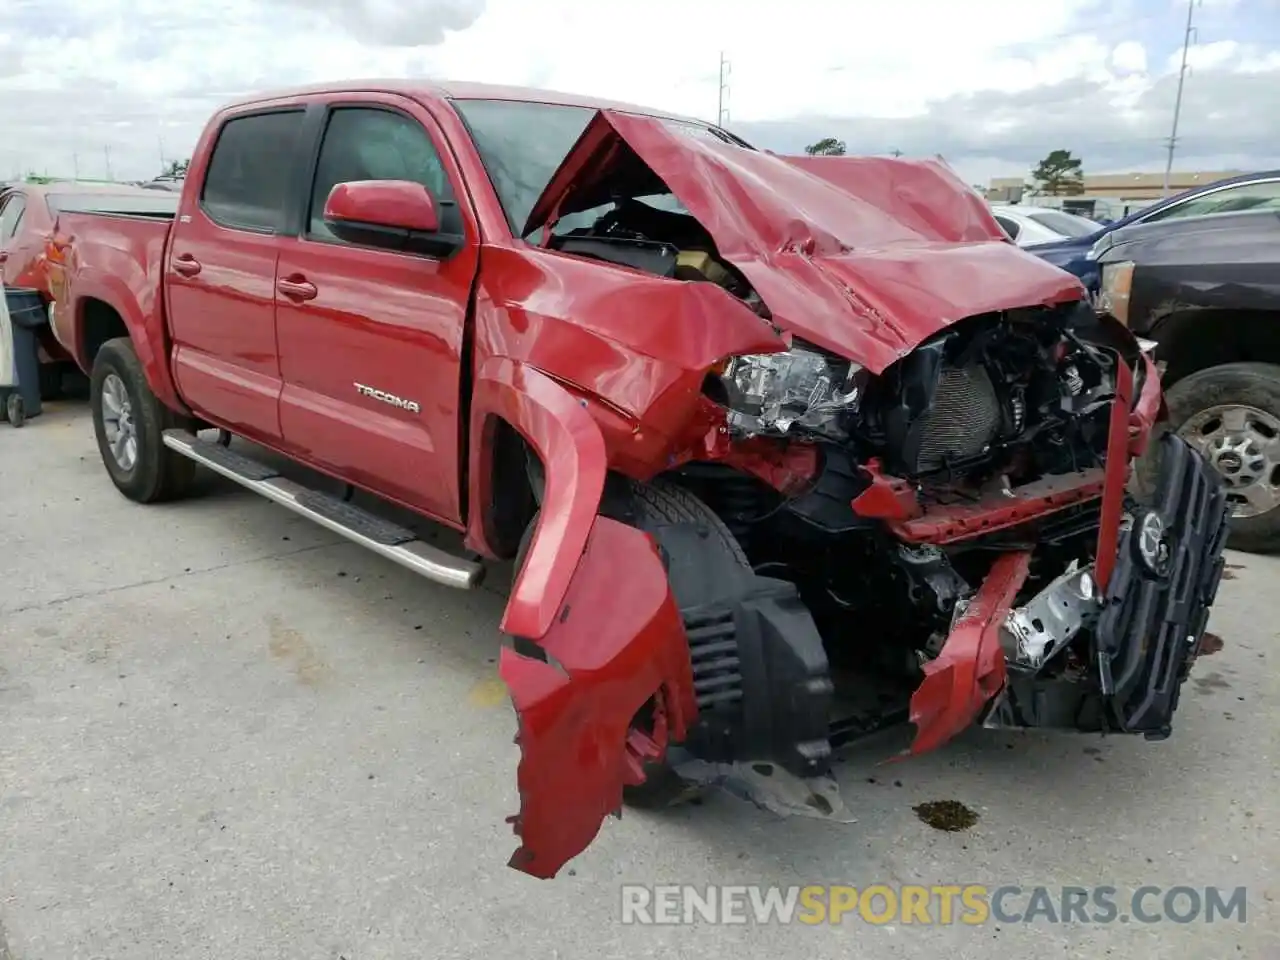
(1129, 57)
(981, 82)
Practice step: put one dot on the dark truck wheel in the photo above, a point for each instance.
(129, 421)
(656, 504)
(1231, 414)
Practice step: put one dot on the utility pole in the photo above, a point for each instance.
(895, 152)
(106, 151)
(722, 100)
(75, 165)
(1177, 103)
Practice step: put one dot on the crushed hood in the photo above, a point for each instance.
(866, 257)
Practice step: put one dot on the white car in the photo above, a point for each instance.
(1027, 226)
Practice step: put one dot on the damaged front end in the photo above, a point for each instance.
(914, 508)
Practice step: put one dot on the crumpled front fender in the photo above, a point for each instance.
(571, 448)
(617, 640)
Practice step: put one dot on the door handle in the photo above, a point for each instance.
(186, 264)
(297, 287)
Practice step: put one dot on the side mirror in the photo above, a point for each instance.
(391, 214)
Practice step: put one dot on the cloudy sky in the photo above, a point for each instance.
(992, 85)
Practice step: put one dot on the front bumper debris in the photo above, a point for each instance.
(1151, 622)
(1166, 578)
(1143, 632)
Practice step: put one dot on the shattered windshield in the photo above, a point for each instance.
(522, 144)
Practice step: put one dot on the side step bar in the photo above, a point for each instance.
(387, 539)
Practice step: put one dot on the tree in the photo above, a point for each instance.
(826, 147)
(176, 168)
(1059, 174)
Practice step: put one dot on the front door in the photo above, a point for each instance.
(370, 339)
(221, 269)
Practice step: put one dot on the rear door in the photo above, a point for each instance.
(220, 270)
(370, 339)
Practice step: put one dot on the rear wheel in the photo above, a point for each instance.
(1231, 414)
(129, 421)
(648, 745)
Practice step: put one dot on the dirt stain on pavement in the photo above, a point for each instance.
(948, 815)
(490, 692)
(1210, 682)
(288, 644)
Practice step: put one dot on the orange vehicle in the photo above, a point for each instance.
(27, 215)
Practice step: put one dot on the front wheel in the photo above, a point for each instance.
(1231, 414)
(648, 746)
(129, 422)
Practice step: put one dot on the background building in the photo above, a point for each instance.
(1106, 195)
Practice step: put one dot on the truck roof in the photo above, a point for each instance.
(420, 88)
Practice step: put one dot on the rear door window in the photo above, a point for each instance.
(247, 184)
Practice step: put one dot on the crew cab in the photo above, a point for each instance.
(784, 449)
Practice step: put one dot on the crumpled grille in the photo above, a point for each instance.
(965, 417)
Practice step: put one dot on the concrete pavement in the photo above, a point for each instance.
(226, 733)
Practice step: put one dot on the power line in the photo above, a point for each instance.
(1177, 103)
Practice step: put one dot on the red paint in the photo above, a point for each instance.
(960, 682)
(788, 468)
(618, 642)
(572, 451)
(999, 511)
(1118, 468)
(1147, 411)
(851, 266)
(887, 498)
(30, 258)
(384, 203)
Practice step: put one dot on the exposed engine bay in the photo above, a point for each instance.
(990, 404)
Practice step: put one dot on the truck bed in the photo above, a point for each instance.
(89, 251)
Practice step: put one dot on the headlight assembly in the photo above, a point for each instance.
(770, 393)
(1117, 284)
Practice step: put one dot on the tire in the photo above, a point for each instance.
(658, 503)
(15, 410)
(1250, 384)
(655, 504)
(157, 473)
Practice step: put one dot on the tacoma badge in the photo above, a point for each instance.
(389, 398)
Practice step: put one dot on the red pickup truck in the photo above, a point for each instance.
(785, 449)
